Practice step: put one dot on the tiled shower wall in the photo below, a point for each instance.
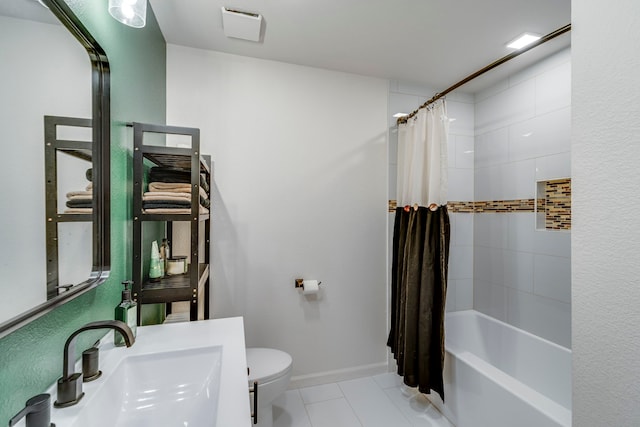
(501, 142)
(522, 135)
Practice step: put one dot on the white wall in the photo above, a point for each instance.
(405, 97)
(44, 71)
(606, 230)
(300, 168)
(523, 126)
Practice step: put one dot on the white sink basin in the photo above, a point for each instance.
(177, 388)
(191, 374)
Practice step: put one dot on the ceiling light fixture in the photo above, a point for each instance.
(130, 12)
(523, 40)
(398, 115)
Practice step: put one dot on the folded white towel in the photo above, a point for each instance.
(203, 211)
(166, 195)
(78, 210)
(174, 188)
(80, 194)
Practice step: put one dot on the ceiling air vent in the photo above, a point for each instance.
(241, 25)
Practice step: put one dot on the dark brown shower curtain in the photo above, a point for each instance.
(418, 294)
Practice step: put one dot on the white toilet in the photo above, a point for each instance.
(272, 370)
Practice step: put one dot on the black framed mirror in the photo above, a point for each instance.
(94, 151)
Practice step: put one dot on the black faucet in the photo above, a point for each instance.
(70, 385)
(37, 410)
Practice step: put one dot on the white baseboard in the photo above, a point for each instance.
(300, 381)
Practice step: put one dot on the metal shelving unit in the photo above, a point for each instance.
(194, 285)
(79, 149)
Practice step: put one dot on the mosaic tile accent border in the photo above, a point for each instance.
(556, 205)
(489, 206)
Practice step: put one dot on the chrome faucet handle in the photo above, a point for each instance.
(37, 410)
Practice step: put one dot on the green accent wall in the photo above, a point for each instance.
(31, 357)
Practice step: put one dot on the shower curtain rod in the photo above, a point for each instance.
(491, 66)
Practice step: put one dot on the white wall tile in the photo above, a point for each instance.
(469, 98)
(541, 67)
(557, 243)
(491, 183)
(450, 302)
(461, 262)
(490, 299)
(552, 277)
(510, 106)
(488, 265)
(451, 151)
(463, 294)
(521, 229)
(492, 148)
(508, 181)
(553, 89)
(490, 230)
(520, 179)
(464, 152)
(461, 116)
(519, 270)
(541, 136)
(492, 91)
(464, 228)
(553, 167)
(541, 316)
(460, 185)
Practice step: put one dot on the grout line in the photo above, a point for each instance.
(351, 406)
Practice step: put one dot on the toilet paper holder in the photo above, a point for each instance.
(300, 283)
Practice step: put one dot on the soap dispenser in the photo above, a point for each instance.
(127, 312)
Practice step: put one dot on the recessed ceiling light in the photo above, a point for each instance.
(398, 115)
(523, 40)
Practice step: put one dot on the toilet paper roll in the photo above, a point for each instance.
(310, 287)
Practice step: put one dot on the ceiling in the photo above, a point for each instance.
(430, 42)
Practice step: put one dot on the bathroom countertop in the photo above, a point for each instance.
(233, 403)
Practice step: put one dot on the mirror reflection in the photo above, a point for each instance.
(44, 71)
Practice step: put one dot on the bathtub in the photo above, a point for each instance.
(496, 375)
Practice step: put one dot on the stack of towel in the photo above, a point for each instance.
(170, 192)
(80, 202)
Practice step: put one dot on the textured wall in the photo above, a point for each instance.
(31, 358)
(300, 191)
(606, 237)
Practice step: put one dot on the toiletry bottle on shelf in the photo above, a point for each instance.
(165, 253)
(156, 270)
(127, 312)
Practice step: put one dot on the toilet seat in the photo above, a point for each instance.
(266, 364)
